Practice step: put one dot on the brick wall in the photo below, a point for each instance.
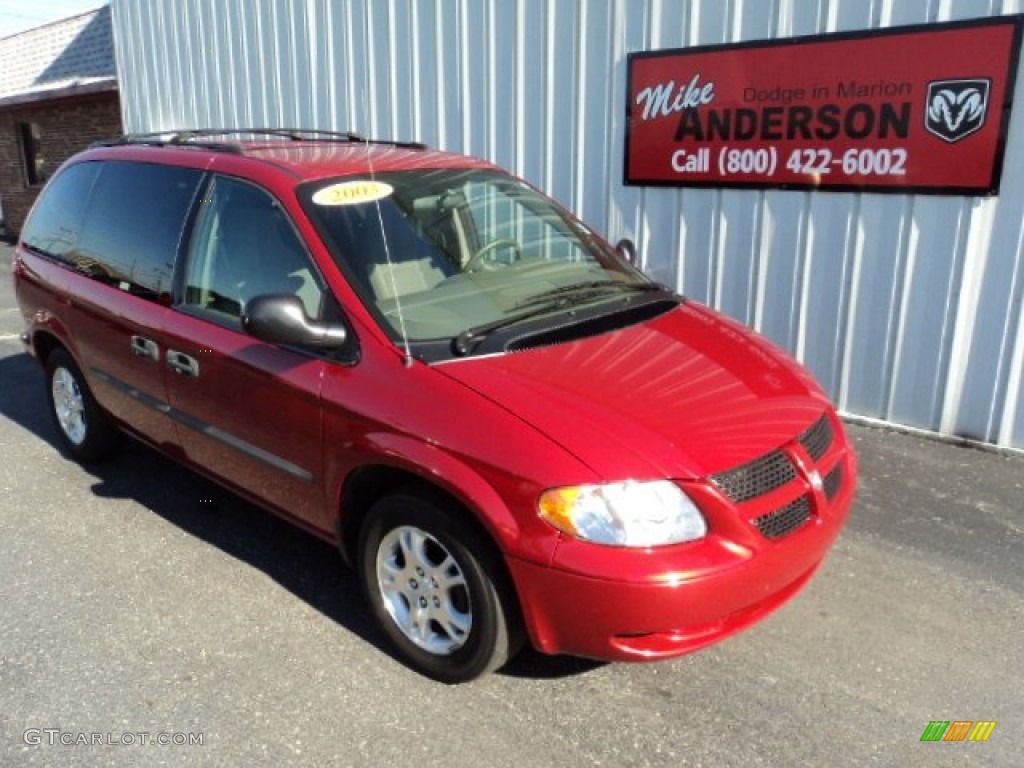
(65, 127)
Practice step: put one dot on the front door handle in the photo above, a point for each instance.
(147, 348)
(183, 364)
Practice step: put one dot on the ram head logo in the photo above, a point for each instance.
(956, 108)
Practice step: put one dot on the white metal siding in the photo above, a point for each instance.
(907, 308)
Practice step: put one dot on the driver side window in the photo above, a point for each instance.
(243, 246)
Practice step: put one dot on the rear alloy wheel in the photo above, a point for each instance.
(433, 588)
(85, 431)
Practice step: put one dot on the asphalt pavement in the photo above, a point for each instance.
(140, 602)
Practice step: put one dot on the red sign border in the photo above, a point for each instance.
(1013, 20)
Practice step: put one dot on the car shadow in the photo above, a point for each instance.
(533, 665)
(306, 566)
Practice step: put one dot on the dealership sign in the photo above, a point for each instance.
(909, 109)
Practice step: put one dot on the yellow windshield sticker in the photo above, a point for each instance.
(352, 193)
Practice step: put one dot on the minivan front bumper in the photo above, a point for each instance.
(645, 605)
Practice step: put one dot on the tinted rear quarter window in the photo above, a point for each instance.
(53, 228)
(133, 225)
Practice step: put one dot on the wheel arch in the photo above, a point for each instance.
(394, 460)
(368, 483)
(426, 468)
(44, 342)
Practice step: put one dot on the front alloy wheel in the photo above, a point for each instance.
(436, 587)
(424, 590)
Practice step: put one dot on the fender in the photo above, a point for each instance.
(39, 285)
(440, 468)
(45, 323)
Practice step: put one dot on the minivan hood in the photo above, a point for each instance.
(685, 395)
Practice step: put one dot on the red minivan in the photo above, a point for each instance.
(510, 432)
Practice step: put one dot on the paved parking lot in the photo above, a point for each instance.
(136, 597)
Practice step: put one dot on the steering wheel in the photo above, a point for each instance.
(478, 260)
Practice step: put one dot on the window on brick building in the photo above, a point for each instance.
(32, 158)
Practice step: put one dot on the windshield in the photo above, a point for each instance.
(435, 254)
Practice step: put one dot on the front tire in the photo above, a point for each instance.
(435, 588)
(84, 430)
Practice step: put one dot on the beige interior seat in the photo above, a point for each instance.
(405, 277)
(401, 263)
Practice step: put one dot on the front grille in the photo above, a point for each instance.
(776, 524)
(756, 478)
(833, 482)
(818, 438)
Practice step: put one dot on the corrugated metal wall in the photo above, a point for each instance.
(907, 308)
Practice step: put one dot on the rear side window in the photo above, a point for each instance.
(133, 224)
(53, 228)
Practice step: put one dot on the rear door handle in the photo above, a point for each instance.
(147, 348)
(183, 364)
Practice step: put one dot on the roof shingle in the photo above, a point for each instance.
(58, 58)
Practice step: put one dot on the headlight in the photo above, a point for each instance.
(629, 514)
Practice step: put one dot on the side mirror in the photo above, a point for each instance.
(280, 318)
(626, 248)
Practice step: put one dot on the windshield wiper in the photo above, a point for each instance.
(549, 301)
(465, 341)
(585, 291)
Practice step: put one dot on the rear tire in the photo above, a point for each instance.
(434, 588)
(85, 432)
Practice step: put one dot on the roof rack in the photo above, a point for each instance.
(200, 137)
